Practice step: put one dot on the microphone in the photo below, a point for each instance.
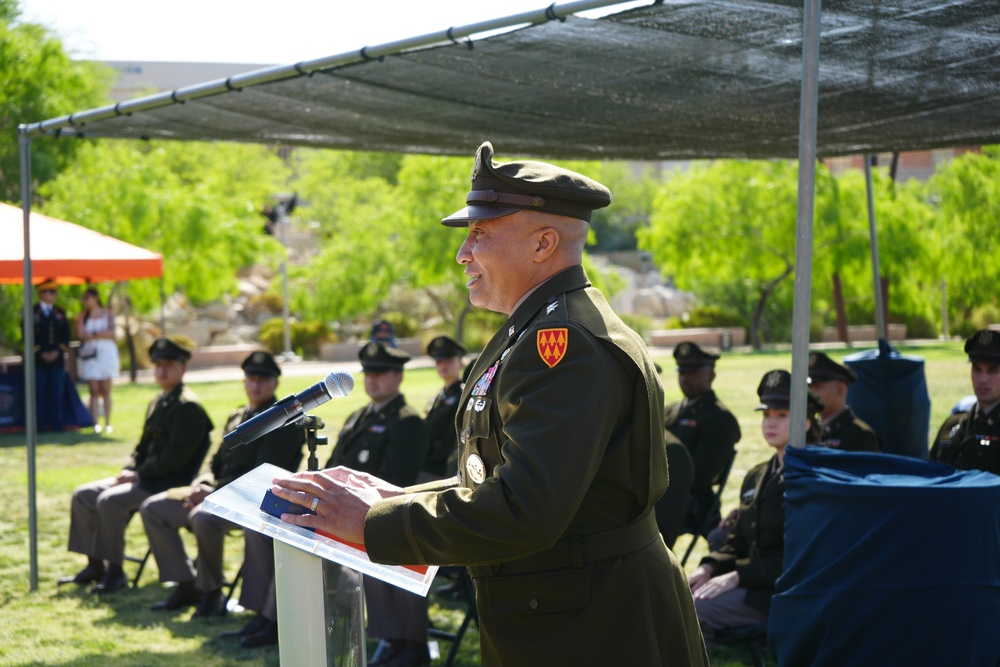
(290, 409)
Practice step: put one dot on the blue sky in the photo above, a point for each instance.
(250, 31)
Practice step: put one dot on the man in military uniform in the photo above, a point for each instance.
(841, 427)
(440, 418)
(706, 427)
(561, 451)
(388, 439)
(175, 439)
(165, 514)
(971, 440)
(51, 345)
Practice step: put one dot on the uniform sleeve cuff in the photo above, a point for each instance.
(388, 536)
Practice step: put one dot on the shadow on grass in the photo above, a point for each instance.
(62, 438)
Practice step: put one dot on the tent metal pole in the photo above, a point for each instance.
(163, 300)
(880, 324)
(30, 400)
(804, 218)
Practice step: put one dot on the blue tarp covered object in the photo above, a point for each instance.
(890, 394)
(889, 560)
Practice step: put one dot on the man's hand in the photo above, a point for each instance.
(716, 586)
(127, 477)
(344, 498)
(700, 577)
(193, 499)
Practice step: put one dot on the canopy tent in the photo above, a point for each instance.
(677, 79)
(69, 253)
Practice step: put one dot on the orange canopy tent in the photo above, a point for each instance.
(69, 253)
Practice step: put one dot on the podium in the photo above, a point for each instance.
(318, 578)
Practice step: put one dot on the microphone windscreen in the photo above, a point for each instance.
(339, 384)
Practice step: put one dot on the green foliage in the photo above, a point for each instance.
(714, 316)
(480, 325)
(404, 325)
(305, 337)
(195, 203)
(40, 81)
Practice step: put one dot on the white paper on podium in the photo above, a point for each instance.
(239, 501)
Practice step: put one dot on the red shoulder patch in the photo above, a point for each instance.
(552, 345)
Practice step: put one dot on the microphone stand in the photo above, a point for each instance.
(313, 424)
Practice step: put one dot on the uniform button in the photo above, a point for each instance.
(533, 604)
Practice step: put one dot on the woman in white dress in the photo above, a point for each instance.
(99, 364)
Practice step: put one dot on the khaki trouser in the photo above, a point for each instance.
(99, 514)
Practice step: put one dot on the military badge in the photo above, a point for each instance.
(683, 350)
(480, 405)
(552, 306)
(773, 379)
(552, 345)
(486, 379)
(363, 456)
(476, 468)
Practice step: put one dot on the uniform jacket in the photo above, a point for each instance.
(710, 432)
(970, 441)
(847, 432)
(174, 442)
(561, 458)
(440, 422)
(390, 443)
(51, 333)
(756, 545)
(281, 447)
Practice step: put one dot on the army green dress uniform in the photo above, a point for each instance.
(440, 413)
(52, 334)
(558, 479)
(710, 432)
(175, 439)
(164, 514)
(390, 442)
(971, 440)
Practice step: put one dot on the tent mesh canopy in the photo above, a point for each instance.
(674, 80)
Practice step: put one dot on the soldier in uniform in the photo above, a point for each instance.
(388, 439)
(174, 442)
(971, 440)
(733, 586)
(440, 418)
(51, 345)
(706, 427)
(165, 514)
(841, 427)
(561, 451)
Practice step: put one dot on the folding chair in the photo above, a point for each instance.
(142, 565)
(706, 522)
(470, 615)
(672, 505)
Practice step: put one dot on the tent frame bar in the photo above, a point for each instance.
(801, 313)
(73, 124)
(30, 407)
(880, 323)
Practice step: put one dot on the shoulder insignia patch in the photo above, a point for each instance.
(552, 345)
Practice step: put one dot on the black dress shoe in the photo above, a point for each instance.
(256, 623)
(266, 636)
(209, 605)
(88, 575)
(111, 582)
(184, 595)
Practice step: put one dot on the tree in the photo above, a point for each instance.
(40, 81)
(196, 203)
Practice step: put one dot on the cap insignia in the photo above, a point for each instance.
(812, 359)
(986, 337)
(684, 349)
(773, 379)
(552, 345)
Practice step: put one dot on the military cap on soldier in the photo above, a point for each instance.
(168, 348)
(689, 356)
(823, 368)
(775, 391)
(261, 363)
(445, 347)
(47, 284)
(501, 188)
(984, 346)
(378, 358)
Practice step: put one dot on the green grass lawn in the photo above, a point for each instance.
(66, 626)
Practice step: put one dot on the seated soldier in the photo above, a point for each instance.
(841, 427)
(166, 513)
(175, 439)
(733, 586)
(971, 440)
(706, 427)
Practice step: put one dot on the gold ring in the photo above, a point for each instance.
(314, 504)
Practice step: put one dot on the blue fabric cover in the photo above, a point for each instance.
(890, 394)
(888, 561)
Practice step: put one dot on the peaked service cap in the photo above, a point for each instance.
(984, 346)
(775, 391)
(823, 368)
(261, 363)
(378, 357)
(501, 188)
(166, 347)
(444, 347)
(689, 356)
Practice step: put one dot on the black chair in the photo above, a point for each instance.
(672, 505)
(142, 565)
(470, 616)
(753, 636)
(708, 519)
